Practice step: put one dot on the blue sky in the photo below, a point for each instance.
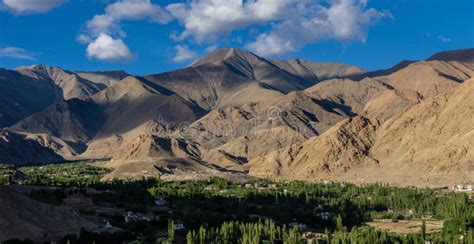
(146, 36)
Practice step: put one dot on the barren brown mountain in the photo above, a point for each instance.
(24, 218)
(462, 55)
(216, 80)
(70, 84)
(111, 112)
(24, 149)
(30, 89)
(233, 112)
(429, 144)
(21, 96)
(106, 78)
(313, 71)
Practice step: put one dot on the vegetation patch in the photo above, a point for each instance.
(259, 211)
(64, 174)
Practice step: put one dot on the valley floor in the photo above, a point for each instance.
(151, 210)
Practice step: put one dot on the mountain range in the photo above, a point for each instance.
(235, 114)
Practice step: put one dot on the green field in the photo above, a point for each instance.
(65, 174)
(6, 173)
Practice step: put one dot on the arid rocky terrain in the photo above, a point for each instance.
(23, 217)
(235, 114)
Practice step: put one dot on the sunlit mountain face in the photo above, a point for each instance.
(237, 121)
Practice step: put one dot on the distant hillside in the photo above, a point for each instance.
(319, 71)
(24, 218)
(429, 144)
(235, 113)
(30, 89)
(462, 55)
(106, 78)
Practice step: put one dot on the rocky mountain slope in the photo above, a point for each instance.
(21, 96)
(70, 84)
(314, 71)
(31, 89)
(106, 78)
(113, 111)
(218, 79)
(24, 218)
(234, 112)
(23, 149)
(428, 144)
(462, 55)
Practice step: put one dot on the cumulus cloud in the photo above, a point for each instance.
(16, 52)
(292, 23)
(183, 54)
(109, 22)
(206, 20)
(31, 6)
(84, 39)
(343, 20)
(107, 48)
(138, 9)
(106, 26)
(281, 26)
(103, 23)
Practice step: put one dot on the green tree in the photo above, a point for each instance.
(202, 235)
(339, 226)
(423, 231)
(191, 237)
(171, 230)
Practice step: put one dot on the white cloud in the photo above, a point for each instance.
(343, 20)
(105, 27)
(267, 9)
(288, 25)
(183, 53)
(102, 23)
(273, 44)
(16, 52)
(32, 6)
(109, 22)
(84, 39)
(444, 39)
(137, 10)
(293, 23)
(206, 20)
(106, 48)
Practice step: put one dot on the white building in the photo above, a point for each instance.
(469, 187)
(300, 226)
(325, 215)
(108, 225)
(160, 202)
(179, 227)
(135, 217)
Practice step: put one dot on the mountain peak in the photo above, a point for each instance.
(39, 67)
(223, 54)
